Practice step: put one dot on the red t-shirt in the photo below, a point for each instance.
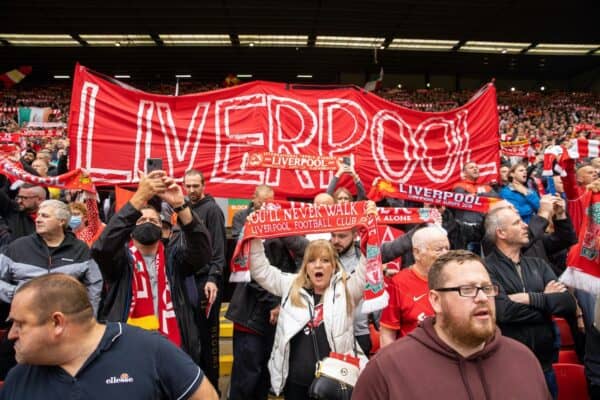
(409, 302)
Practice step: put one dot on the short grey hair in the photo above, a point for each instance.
(61, 210)
(492, 223)
(423, 236)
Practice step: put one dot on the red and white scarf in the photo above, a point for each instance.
(276, 222)
(555, 156)
(583, 260)
(141, 311)
(464, 201)
(75, 179)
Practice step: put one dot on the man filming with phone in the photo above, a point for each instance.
(146, 281)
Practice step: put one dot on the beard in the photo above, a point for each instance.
(470, 333)
(343, 250)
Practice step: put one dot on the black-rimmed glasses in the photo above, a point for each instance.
(472, 291)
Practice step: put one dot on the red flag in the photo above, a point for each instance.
(12, 77)
(214, 131)
(122, 196)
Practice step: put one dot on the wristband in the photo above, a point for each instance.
(181, 207)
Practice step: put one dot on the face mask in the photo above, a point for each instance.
(146, 233)
(75, 222)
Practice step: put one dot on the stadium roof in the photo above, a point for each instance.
(277, 40)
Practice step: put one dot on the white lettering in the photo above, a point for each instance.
(297, 133)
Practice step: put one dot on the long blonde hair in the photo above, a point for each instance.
(315, 249)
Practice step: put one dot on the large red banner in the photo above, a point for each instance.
(114, 128)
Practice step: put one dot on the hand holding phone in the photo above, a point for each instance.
(153, 164)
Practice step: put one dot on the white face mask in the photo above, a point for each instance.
(75, 222)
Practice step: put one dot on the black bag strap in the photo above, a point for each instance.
(312, 331)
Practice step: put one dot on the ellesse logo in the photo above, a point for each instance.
(123, 378)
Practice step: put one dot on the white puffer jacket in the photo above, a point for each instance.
(292, 319)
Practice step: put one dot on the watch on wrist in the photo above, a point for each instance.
(181, 207)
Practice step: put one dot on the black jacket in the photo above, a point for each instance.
(19, 223)
(187, 253)
(29, 257)
(541, 244)
(529, 324)
(250, 305)
(209, 211)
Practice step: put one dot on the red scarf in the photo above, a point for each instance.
(300, 162)
(141, 311)
(583, 260)
(464, 201)
(75, 179)
(270, 222)
(94, 228)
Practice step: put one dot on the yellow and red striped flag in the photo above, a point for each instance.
(15, 76)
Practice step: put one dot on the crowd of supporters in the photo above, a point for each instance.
(524, 239)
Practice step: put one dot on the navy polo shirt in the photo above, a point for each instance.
(129, 363)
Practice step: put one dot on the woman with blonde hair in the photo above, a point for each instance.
(316, 303)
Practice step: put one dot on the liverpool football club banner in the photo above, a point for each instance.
(227, 134)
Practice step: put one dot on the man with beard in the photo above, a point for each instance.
(524, 199)
(209, 277)
(148, 283)
(529, 291)
(20, 213)
(459, 354)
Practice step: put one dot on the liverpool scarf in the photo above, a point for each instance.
(75, 179)
(385, 215)
(464, 201)
(272, 222)
(302, 162)
(141, 310)
(583, 260)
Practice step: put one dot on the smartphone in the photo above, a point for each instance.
(347, 161)
(153, 164)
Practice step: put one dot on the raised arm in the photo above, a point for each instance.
(269, 277)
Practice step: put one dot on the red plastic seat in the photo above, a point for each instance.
(571, 381)
(566, 338)
(568, 357)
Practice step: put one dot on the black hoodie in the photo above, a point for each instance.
(209, 211)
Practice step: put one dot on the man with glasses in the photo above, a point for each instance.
(147, 282)
(459, 354)
(529, 291)
(20, 213)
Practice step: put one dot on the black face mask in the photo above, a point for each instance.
(146, 233)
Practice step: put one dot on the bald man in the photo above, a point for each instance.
(409, 303)
(20, 213)
(63, 352)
